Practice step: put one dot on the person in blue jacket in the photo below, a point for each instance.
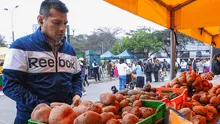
(42, 67)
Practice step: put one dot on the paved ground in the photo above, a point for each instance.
(8, 107)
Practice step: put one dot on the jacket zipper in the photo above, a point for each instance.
(55, 55)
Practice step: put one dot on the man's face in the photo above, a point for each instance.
(54, 26)
(218, 58)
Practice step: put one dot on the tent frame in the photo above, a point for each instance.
(172, 34)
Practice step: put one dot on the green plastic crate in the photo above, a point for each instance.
(0, 80)
(159, 114)
(34, 122)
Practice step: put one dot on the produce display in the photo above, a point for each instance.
(204, 99)
(191, 81)
(111, 109)
(204, 105)
(148, 93)
(127, 107)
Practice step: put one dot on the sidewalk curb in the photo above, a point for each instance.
(102, 81)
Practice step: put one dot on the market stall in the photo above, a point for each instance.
(194, 18)
(108, 56)
(190, 98)
(126, 55)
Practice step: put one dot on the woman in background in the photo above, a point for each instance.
(116, 69)
(122, 71)
(139, 70)
(216, 64)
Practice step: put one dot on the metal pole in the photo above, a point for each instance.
(172, 47)
(13, 36)
(12, 22)
(211, 56)
(102, 47)
(173, 55)
(68, 33)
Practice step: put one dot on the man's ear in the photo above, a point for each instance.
(40, 19)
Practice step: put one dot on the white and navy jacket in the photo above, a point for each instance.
(33, 75)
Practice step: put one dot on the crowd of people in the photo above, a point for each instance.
(145, 70)
(119, 68)
(199, 65)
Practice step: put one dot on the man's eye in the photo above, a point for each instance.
(57, 23)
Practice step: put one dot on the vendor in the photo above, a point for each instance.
(216, 64)
(42, 67)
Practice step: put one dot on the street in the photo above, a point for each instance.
(8, 107)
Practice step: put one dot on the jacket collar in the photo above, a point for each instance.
(39, 36)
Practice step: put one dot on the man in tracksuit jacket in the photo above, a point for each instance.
(42, 67)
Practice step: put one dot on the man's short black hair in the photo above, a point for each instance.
(58, 5)
(122, 61)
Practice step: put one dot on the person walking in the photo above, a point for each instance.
(189, 63)
(194, 65)
(95, 67)
(207, 65)
(201, 66)
(86, 76)
(148, 70)
(81, 62)
(165, 66)
(156, 68)
(139, 71)
(216, 64)
(183, 65)
(42, 67)
(116, 69)
(122, 71)
(109, 69)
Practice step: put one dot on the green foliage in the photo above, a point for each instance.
(2, 42)
(101, 39)
(141, 42)
(182, 40)
(117, 48)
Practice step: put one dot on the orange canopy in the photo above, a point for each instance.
(196, 18)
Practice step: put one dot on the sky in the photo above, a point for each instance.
(84, 17)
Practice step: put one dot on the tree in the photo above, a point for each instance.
(182, 40)
(104, 38)
(101, 39)
(140, 41)
(2, 42)
(79, 43)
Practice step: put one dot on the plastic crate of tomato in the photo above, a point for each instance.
(177, 101)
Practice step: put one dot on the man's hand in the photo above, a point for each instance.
(76, 100)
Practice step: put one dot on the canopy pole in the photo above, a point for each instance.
(173, 54)
(172, 47)
(211, 56)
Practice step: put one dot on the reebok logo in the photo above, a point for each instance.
(40, 62)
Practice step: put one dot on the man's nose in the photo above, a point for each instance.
(62, 27)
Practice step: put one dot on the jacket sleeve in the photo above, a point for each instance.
(77, 80)
(216, 66)
(77, 84)
(14, 79)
